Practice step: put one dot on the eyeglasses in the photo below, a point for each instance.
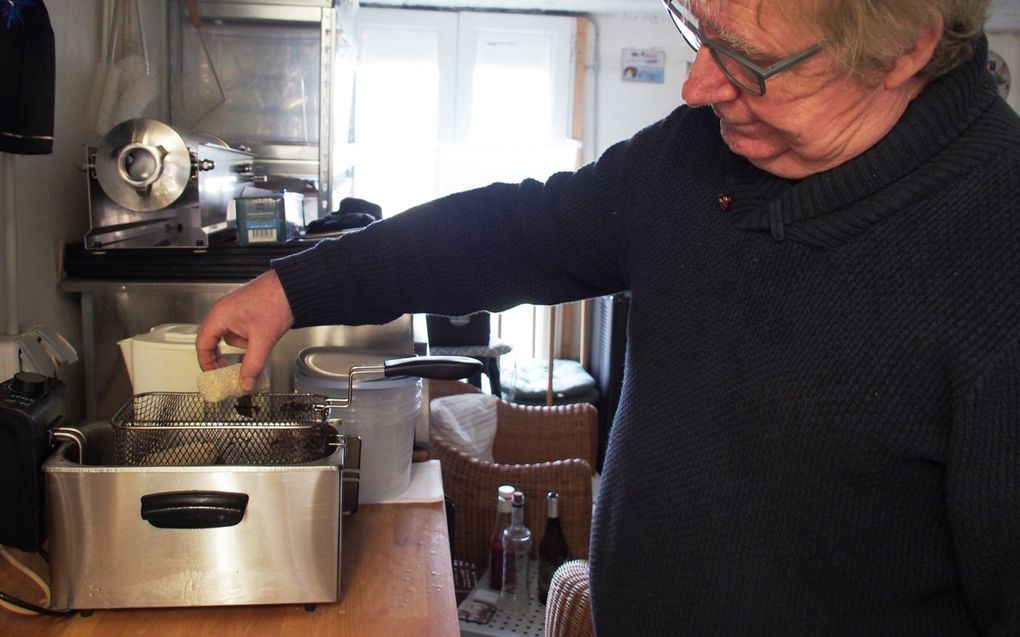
(740, 70)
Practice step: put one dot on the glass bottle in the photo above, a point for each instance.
(552, 551)
(514, 594)
(503, 507)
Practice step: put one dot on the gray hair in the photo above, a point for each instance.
(866, 36)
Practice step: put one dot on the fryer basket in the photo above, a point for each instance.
(180, 429)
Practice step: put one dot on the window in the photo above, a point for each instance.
(446, 101)
(403, 103)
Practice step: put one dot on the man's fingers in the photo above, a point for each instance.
(234, 340)
(252, 317)
(253, 363)
(207, 346)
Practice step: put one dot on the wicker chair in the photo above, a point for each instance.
(536, 449)
(440, 388)
(568, 613)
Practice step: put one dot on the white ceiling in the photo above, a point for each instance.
(1005, 14)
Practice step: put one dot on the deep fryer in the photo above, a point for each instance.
(178, 502)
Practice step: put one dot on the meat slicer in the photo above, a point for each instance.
(152, 185)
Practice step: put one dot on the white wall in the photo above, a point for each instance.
(623, 108)
(1008, 46)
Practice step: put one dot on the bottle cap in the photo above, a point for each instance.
(518, 498)
(552, 507)
(505, 495)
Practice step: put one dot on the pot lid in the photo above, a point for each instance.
(176, 336)
(331, 366)
(170, 334)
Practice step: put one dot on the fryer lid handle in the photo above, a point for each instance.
(193, 509)
(435, 367)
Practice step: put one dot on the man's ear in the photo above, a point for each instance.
(915, 57)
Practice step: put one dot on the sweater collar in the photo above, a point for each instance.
(832, 207)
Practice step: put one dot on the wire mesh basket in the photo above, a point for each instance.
(181, 429)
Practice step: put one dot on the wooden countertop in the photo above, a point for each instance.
(396, 581)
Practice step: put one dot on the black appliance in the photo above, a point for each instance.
(30, 406)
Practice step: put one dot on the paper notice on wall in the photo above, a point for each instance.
(643, 65)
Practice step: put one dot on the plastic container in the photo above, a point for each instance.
(164, 358)
(382, 413)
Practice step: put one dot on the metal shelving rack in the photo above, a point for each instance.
(323, 154)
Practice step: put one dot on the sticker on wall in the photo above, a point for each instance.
(644, 65)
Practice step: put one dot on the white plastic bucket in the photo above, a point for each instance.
(382, 413)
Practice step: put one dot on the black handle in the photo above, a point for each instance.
(436, 367)
(193, 509)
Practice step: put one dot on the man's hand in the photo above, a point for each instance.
(254, 316)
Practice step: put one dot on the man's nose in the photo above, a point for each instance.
(706, 83)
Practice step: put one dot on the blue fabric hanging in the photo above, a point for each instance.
(27, 72)
(10, 11)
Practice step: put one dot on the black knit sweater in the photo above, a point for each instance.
(819, 428)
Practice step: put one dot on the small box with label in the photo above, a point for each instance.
(265, 219)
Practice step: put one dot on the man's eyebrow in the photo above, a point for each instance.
(735, 41)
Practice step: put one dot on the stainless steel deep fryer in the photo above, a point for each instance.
(179, 502)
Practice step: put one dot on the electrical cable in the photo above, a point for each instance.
(14, 606)
(21, 607)
(39, 581)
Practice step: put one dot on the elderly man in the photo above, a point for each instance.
(819, 429)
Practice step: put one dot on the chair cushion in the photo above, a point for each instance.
(494, 349)
(466, 421)
(527, 379)
(590, 395)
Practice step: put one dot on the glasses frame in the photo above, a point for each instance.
(684, 21)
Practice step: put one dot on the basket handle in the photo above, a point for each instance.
(435, 367)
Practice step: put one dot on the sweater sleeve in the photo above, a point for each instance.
(491, 248)
(983, 492)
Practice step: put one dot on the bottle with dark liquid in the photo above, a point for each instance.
(503, 515)
(553, 551)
